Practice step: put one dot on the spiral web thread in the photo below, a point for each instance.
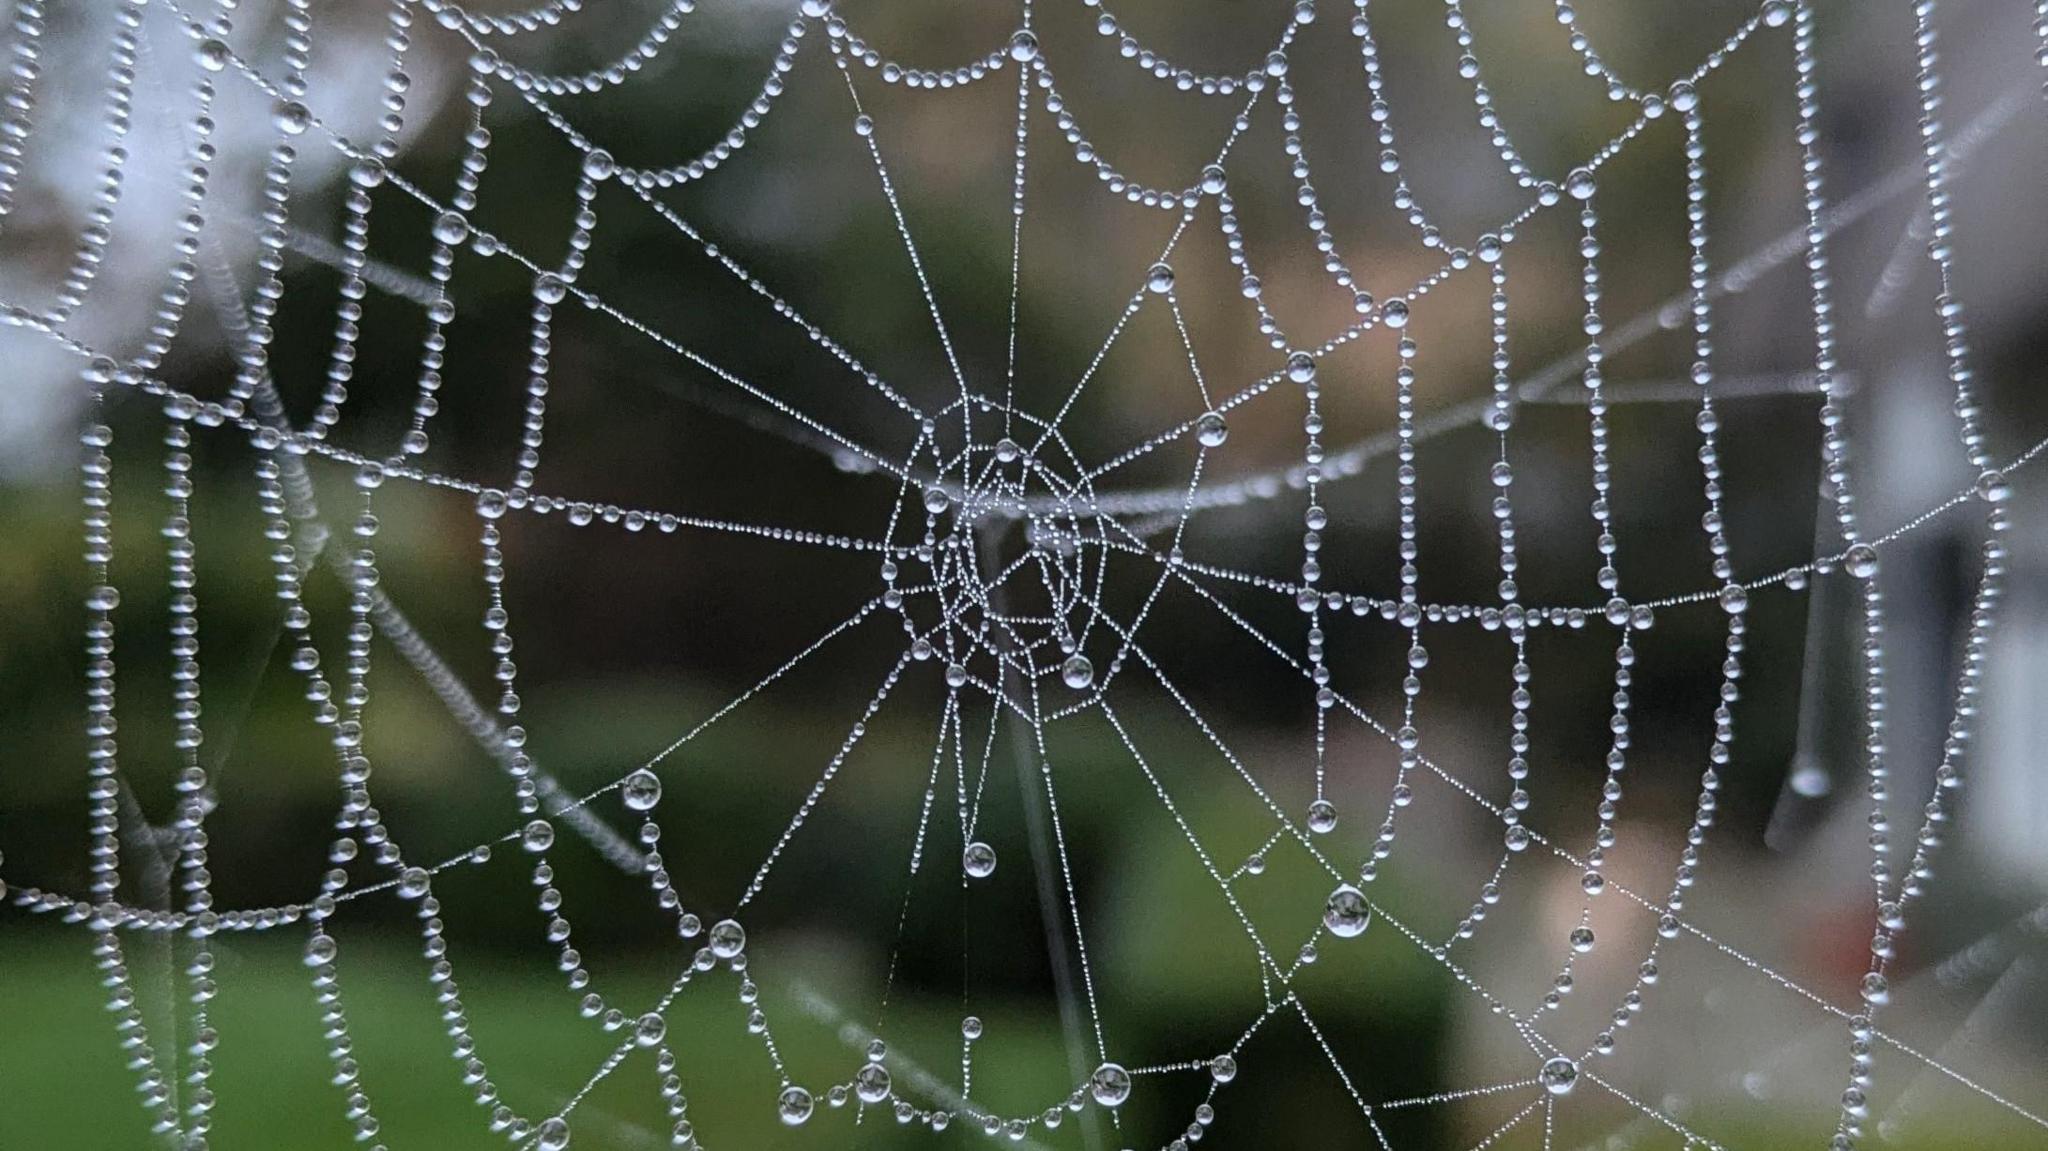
(982, 458)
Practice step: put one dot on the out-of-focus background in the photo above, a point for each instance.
(627, 640)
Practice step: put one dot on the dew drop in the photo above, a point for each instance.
(1579, 184)
(1159, 279)
(979, 860)
(1211, 430)
(537, 836)
(1345, 913)
(1023, 46)
(871, 1083)
(642, 790)
(451, 228)
(1558, 1075)
(1860, 561)
(412, 883)
(320, 949)
(291, 117)
(213, 55)
(650, 1029)
(1734, 599)
(794, 1106)
(1077, 672)
(728, 939)
(1110, 1085)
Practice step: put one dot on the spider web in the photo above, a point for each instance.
(1000, 547)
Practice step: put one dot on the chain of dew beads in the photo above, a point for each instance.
(1993, 489)
(1482, 96)
(1408, 613)
(547, 14)
(18, 105)
(1383, 127)
(97, 232)
(646, 51)
(364, 177)
(1316, 220)
(103, 787)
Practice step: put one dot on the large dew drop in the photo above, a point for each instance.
(650, 1029)
(1110, 1085)
(213, 55)
(320, 950)
(871, 1083)
(1558, 1075)
(794, 1106)
(1346, 914)
(291, 117)
(642, 790)
(412, 883)
(1077, 672)
(728, 938)
(537, 836)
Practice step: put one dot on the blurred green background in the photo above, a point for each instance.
(625, 641)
